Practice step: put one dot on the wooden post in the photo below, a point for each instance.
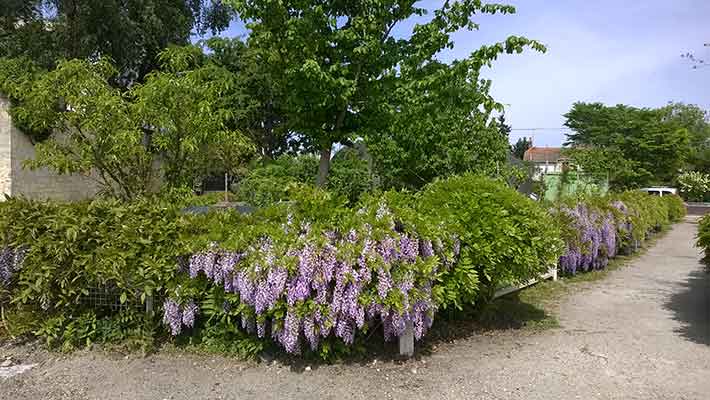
(406, 341)
(553, 271)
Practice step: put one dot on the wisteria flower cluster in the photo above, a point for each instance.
(176, 316)
(624, 225)
(325, 283)
(596, 240)
(11, 259)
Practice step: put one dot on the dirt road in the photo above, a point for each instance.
(641, 333)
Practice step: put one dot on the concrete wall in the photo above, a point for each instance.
(5, 149)
(37, 184)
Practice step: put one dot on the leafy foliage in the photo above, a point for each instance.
(131, 32)
(270, 182)
(76, 252)
(704, 238)
(93, 130)
(438, 124)
(695, 185)
(336, 63)
(697, 121)
(505, 237)
(188, 119)
(174, 129)
(650, 148)
(257, 97)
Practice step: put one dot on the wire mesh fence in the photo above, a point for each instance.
(108, 299)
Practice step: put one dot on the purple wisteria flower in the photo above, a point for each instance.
(329, 290)
(188, 314)
(172, 316)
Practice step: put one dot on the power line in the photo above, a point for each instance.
(540, 129)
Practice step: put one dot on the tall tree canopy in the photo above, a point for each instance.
(697, 121)
(651, 147)
(339, 65)
(258, 95)
(520, 147)
(131, 32)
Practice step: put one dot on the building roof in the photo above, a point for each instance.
(543, 154)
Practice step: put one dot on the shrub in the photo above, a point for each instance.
(695, 185)
(676, 207)
(268, 184)
(595, 228)
(505, 238)
(85, 260)
(312, 271)
(704, 238)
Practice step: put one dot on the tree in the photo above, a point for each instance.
(520, 147)
(654, 146)
(336, 59)
(93, 131)
(258, 95)
(177, 117)
(697, 121)
(186, 109)
(436, 123)
(131, 32)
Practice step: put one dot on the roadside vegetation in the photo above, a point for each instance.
(374, 180)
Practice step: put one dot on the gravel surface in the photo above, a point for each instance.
(641, 333)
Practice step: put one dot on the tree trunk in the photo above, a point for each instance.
(324, 166)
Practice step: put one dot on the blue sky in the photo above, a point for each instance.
(623, 51)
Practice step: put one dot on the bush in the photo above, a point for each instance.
(595, 228)
(676, 208)
(704, 238)
(268, 184)
(86, 260)
(311, 274)
(695, 185)
(505, 238)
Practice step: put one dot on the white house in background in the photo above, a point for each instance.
(16, 147)
(545, 159)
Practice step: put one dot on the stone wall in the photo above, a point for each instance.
(37, 184)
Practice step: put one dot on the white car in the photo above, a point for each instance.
(660, 191)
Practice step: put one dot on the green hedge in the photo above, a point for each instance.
(390, 260)
(596, 228)
(313, 274)
(506, 238)
(269, 182)
(704, 238)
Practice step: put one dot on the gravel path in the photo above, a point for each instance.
(641, 333)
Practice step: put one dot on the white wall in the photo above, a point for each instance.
(40, 183)
(5, 148)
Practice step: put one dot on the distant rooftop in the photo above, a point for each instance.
(543, 154)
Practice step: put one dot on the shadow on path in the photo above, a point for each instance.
(691, 307)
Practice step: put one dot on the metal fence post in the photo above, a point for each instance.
(149, 305)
